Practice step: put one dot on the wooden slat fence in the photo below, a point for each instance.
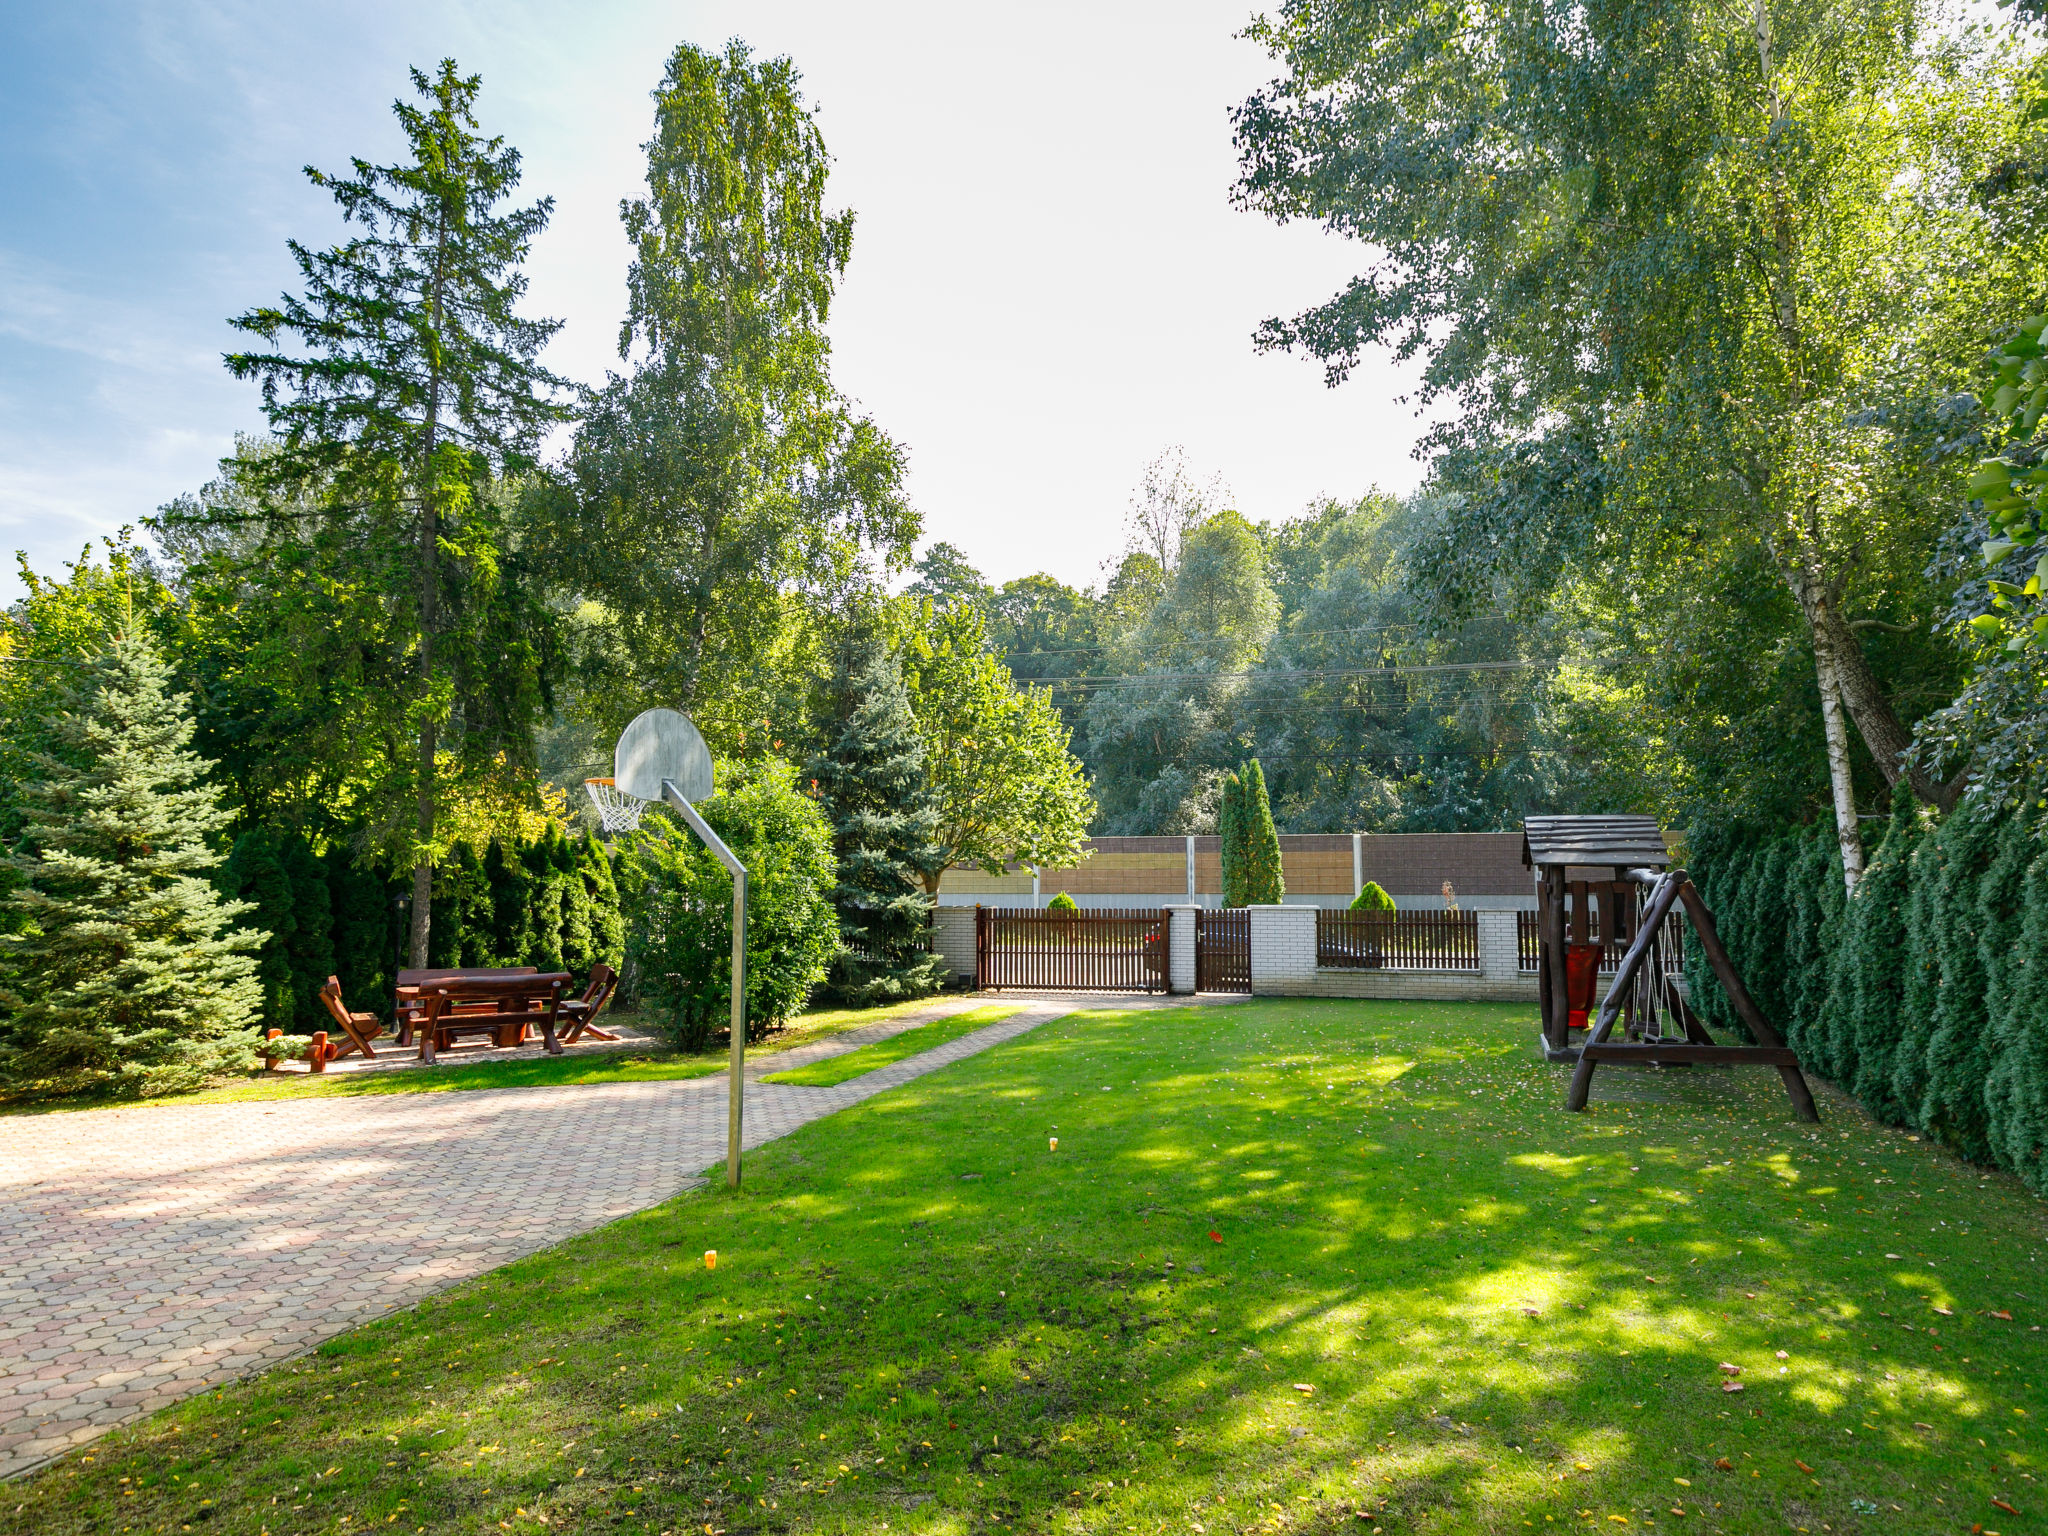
(1406, 941)
(1528, 942)
(1102, 950)
(1223, 949)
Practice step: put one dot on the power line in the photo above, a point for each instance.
(1285, 674)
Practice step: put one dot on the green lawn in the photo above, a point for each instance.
(1294, 1266)
(912, 1042)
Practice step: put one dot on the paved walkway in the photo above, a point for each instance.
(151, 1252)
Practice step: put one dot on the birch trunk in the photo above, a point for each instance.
(1847, 832)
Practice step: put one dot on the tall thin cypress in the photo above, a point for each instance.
(1265, 883)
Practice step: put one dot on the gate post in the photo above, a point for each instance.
(1180, 950)
(1500, 952)
(980, 947)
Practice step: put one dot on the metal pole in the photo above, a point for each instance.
(735, 1103)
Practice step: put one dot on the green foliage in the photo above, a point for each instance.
(725, 488)
(399, 386)
(1063, 903)
(1923, 991)
(1251, 844)
(127, 975)
(1006, 788)
(1702, 315)
(869, 779)
(1371, 898)
(678, 901)
(255, 876)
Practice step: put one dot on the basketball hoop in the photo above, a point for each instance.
(617, 811)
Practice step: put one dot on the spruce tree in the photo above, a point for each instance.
(1264, 882)
(511, 921)
(870, 780)
(131, 976)
(398, 384)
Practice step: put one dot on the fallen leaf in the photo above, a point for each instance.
(1802, 1466)
(2005, 1506)
(2003, 1317)
(1682, 1482)
(1918, 1425)
(1724, 1464)
(1215, 1237)
(1583, 1466)
(1302, 1386)
(1731, 1386)
(1783, 1356)
(1732, 1370)
(1530, 1312)
(1944, 1311)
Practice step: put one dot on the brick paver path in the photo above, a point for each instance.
(150, 1252)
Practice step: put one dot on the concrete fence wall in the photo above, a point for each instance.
(1283, 959)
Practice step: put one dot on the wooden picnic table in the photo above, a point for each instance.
(504, 1002)
(412, 1001)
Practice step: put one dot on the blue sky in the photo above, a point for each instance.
(1048, 285)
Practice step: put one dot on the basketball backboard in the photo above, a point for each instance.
(662, 744)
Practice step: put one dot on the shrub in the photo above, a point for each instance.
(678, 900)
(1062, 903)
(1371, 898)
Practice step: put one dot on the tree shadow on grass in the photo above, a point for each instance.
(1437, 1303)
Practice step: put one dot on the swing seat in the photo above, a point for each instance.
(1581, 982)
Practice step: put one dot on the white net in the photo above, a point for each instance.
(617, 811)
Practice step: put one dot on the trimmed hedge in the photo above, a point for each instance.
(551, 903)
(1926, 993)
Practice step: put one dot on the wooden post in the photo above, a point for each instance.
(316, 1053)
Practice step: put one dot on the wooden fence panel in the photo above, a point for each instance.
(1102, 950)
(1223, 949)
(1405, 941)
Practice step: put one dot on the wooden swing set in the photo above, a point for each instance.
(1645, 998)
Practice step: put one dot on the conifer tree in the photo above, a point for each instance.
(398, 384)
(1876, 924)
(607, 922)
(255, 875)
(312, 942)
(1264, 882)
(131, 975)
(1230, 829)
(870, 781)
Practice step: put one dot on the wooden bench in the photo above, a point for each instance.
(501, 1006)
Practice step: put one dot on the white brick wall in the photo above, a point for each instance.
(1283, 950)
(953, 939)
(1180, 950)
(1499, 956)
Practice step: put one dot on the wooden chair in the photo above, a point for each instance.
(411, 1003)
(582, 1012)
(499, 1006)
(359, 1028)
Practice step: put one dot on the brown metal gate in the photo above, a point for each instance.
(1223, 949)
(1114, 950)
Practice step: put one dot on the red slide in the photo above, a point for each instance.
(1581, 976)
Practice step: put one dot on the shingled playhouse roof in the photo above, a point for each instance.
(1618, 840)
